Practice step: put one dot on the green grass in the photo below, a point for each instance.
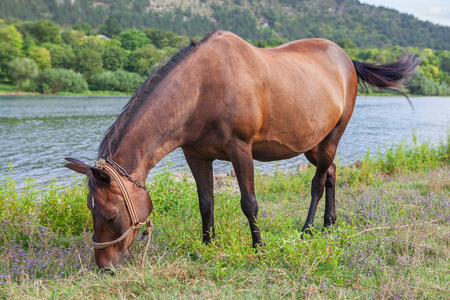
(6, 88)
(391, 241)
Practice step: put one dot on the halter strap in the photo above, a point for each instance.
(107, 164)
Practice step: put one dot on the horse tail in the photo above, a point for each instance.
(388, 76)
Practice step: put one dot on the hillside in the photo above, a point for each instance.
(365, 25)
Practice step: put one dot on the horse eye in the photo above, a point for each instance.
(112, 219)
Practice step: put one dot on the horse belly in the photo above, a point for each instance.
(292, 130)
(285, 145)
(270, 151)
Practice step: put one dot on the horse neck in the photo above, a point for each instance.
(156, 130)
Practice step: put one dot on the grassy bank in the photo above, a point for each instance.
(391, 240)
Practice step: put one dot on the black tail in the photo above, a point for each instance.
(388, 76)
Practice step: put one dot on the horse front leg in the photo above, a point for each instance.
(203, 174)
(241, 157)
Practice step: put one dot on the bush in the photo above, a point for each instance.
(121, 81)
(51, 81)
(421, 85)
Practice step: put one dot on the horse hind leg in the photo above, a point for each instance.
(330, 184)
(322, 157)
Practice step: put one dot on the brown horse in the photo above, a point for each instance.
(224, 99)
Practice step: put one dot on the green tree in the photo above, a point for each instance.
(93, 43)
(260, 44)
(111, 28)
(445, 65)
(28, 42)
(10, 35)
(161, 38)
(133, 39)
(46, 31)
(114, 58)
(41, 56)
(421, 85)
(346, 43)
(144, 60)
(62, 56)
(84, 27)
(88, 62)
(7, 53)
(21, 69)
(72, 37)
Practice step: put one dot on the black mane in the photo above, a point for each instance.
(113, 134)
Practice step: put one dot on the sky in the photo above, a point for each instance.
(435, 11)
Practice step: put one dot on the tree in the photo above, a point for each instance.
(62, 56)
(72, 37)
(346, 43)
(83, 27)
(7, 53)
(88, 62)
(111, 28)
(161, 38)
(144, 60)
(93, 43)
(10, 35)
(46, 31)
(114, 58)
(21, 69)
(28, 42)
(133, 39)
(41, 56)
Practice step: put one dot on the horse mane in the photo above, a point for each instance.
(114, 133)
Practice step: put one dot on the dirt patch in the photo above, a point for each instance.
(222, 182)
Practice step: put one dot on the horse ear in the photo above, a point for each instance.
(77, 166)
(100, 175)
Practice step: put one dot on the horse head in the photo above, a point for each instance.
(119, 209)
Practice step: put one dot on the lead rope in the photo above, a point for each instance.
(147, 232)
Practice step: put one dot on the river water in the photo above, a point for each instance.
(37, 132)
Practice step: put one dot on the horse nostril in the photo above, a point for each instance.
(108, 271)
(127, 255)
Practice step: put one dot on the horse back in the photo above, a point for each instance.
(284, 100)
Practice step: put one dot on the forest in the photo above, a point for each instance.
(81, 46)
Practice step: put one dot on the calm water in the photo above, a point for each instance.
(37, 132)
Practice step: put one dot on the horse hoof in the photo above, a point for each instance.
(306, 234)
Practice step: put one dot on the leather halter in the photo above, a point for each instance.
(107, 164)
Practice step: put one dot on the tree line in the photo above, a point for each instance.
(365, 25)
(41, 56)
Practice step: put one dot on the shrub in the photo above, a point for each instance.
(51, 81)
(120, 80)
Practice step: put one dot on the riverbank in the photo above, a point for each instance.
(12, 90)
(391, 240)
